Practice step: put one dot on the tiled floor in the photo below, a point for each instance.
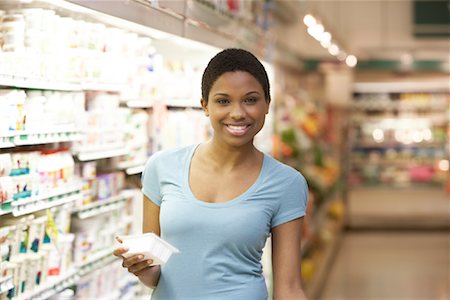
(374, 265)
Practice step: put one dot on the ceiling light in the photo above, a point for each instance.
(342, 55)
(351, 61)
(333, 49)
(309, 20)
(325, 44)
(325, 37)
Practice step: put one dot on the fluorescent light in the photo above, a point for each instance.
(342, 55)
(309, 20)
(325, 37)
(351, 61)
(333, 49)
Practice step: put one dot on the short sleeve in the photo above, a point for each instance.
(150, 180)
(293, 202)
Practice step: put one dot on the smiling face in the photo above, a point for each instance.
(236, 107)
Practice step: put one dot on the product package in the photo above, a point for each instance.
(150, 245)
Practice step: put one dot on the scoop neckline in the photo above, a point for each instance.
(230, 202)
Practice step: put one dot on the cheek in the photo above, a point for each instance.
(258, 112)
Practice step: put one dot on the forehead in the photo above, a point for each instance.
(236, 79)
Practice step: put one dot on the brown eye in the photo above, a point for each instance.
(251, 100)
(223, 101)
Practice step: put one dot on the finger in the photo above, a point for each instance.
(140, 267)
(132, 260)
(119, 251)
(118, 239)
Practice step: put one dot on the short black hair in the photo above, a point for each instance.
(232, 60)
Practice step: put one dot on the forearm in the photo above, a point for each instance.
(290, 294)
(150, 277)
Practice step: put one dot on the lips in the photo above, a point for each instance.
(237, 130)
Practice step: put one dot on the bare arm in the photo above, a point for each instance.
(286, 261)
(148, 275)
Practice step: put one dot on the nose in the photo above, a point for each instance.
(237, 112)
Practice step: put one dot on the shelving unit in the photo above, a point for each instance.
(194, 22)
(100, 154)
(126, 156)
(70, 278)
(33, 83)
(100, 207)
(306, 141)
(399, 152)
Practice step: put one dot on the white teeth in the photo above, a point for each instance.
(237, 130)
(236, 127)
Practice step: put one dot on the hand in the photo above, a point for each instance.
(135, 264)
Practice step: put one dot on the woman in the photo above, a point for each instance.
(218, 201)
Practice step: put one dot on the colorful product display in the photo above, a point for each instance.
(399, 139)
(34, 117)
(38, 43)
(39, 249)
(97, 187)
(31, 179)
(308, 138)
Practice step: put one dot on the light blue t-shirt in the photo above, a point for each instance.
(220, 243)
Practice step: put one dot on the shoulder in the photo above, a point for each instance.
(281, 171)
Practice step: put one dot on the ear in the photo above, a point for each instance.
(204, 104)
(267, 107)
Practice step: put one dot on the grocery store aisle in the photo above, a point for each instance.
(391, 265)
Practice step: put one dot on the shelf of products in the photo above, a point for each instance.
(44, 257)
(100, 207)
(304, 140)
(399, 156)
(86, 97)
(399, 139)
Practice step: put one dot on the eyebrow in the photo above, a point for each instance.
(249, 93)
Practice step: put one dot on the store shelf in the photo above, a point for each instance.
(397, 105)
(106, 87)
(401, 87)
(132, 167)
(5, 208)
(393, 163)
(101, 154)
(7, 145)
(363, 145)
(70, 278)
(45, 138)
(56, 198)
(101, 206)
(319, 219)
(314, 287)
(37, 137)
(182, 103)
(52, 286)
(139, 103)
(40, 84)
(95, 258)
(6, 284)
(135, 170)
(55, 85)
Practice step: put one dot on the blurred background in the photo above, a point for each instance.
(360, 105)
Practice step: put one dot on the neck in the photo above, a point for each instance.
(228, 158)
